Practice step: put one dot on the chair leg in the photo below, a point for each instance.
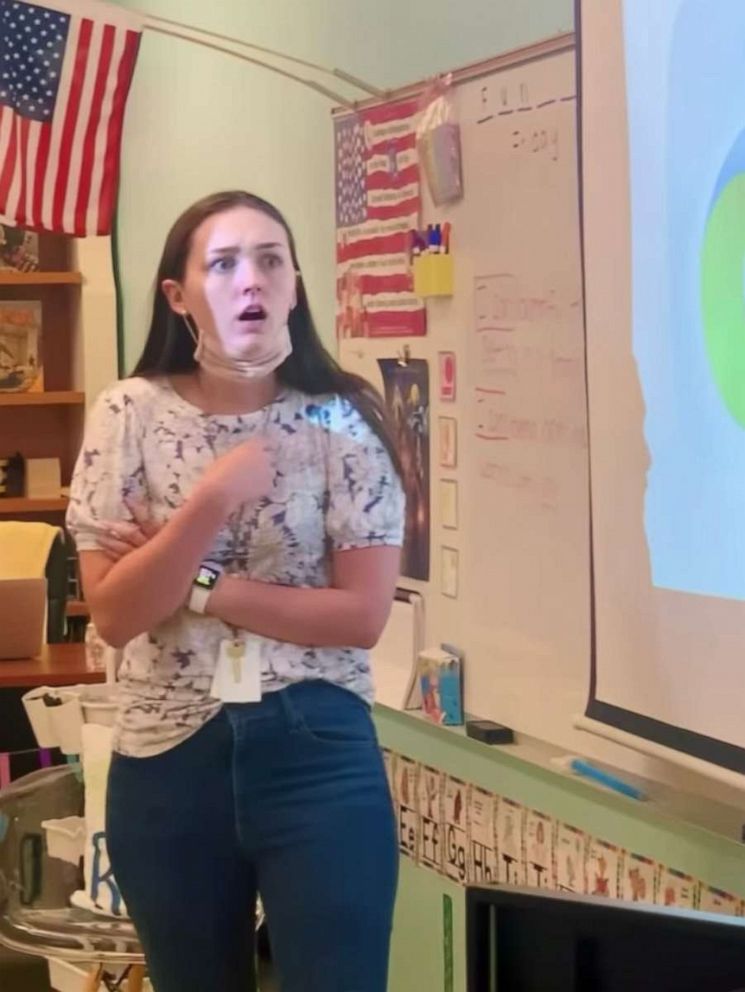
(93, 979)
(136, 978)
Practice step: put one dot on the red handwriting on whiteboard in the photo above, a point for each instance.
(496, 424)
(502, 306)
(543, 489)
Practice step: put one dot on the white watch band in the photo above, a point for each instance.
(198, 599)
(204, 582)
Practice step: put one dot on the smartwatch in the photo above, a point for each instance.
(204, 582)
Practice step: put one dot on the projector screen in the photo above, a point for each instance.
(663, 200)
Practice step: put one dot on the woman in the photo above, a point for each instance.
(238, 512)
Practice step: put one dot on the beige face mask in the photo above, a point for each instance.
(273, 350)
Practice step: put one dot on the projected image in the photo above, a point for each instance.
(685, 75)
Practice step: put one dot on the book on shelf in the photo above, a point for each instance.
(12, 475)
(21, 367)
(19, 249)
(441, 683)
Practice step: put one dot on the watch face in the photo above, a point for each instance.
(206, 577)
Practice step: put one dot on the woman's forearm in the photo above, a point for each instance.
(312, 617)
(148, 585)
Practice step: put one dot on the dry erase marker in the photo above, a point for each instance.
(446, 238)
(579, 766)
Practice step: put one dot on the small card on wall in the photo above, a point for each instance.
(447, 365)
(450, 568)
(539, 850)
(570, 858)
(713, 900)
(510, 842)
(448, 442)
(482, 823)
(389, 762)
(639, 876)
(430, 817)
(406, 803)
(456, 834)
(675, 888)
(449, 504)
(603, 869)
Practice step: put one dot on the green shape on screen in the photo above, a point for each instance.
(723, 295)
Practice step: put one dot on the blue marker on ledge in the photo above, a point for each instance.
(582, 767)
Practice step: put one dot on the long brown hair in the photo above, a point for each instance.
(310, 368)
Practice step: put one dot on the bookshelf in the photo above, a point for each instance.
(52, 397)
(40, 278)
(23, 506)
(74, 286)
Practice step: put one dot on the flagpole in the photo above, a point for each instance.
(335, 97)
(153, 23)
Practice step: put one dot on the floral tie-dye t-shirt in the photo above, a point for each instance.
(335, 488)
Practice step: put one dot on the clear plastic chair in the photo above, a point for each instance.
(35, 912)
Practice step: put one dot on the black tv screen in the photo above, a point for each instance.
(526, 940)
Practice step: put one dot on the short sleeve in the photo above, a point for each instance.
(365, 496)
(109, 469)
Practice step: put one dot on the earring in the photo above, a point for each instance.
(192, 332)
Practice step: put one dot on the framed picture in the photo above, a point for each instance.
(449, 573)
(449, 503)
(20, 354)
(447, 365)
(448, 442)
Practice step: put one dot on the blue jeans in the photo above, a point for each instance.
(287, 797)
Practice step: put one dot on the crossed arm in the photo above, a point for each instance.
(142, 575)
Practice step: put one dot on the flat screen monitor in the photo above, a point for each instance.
(528, 940)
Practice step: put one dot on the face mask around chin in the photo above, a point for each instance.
(273, 351)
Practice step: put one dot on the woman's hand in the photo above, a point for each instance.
(119, 537)
(243, 475)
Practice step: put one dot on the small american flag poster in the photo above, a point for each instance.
(378, 202)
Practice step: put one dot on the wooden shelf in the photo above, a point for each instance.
(60, 397)
(40, 278)
(21, 505)
(77, 608)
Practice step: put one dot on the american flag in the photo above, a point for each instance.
(65, 71)
(377, 205)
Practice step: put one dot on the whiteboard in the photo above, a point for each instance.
(515, 322)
